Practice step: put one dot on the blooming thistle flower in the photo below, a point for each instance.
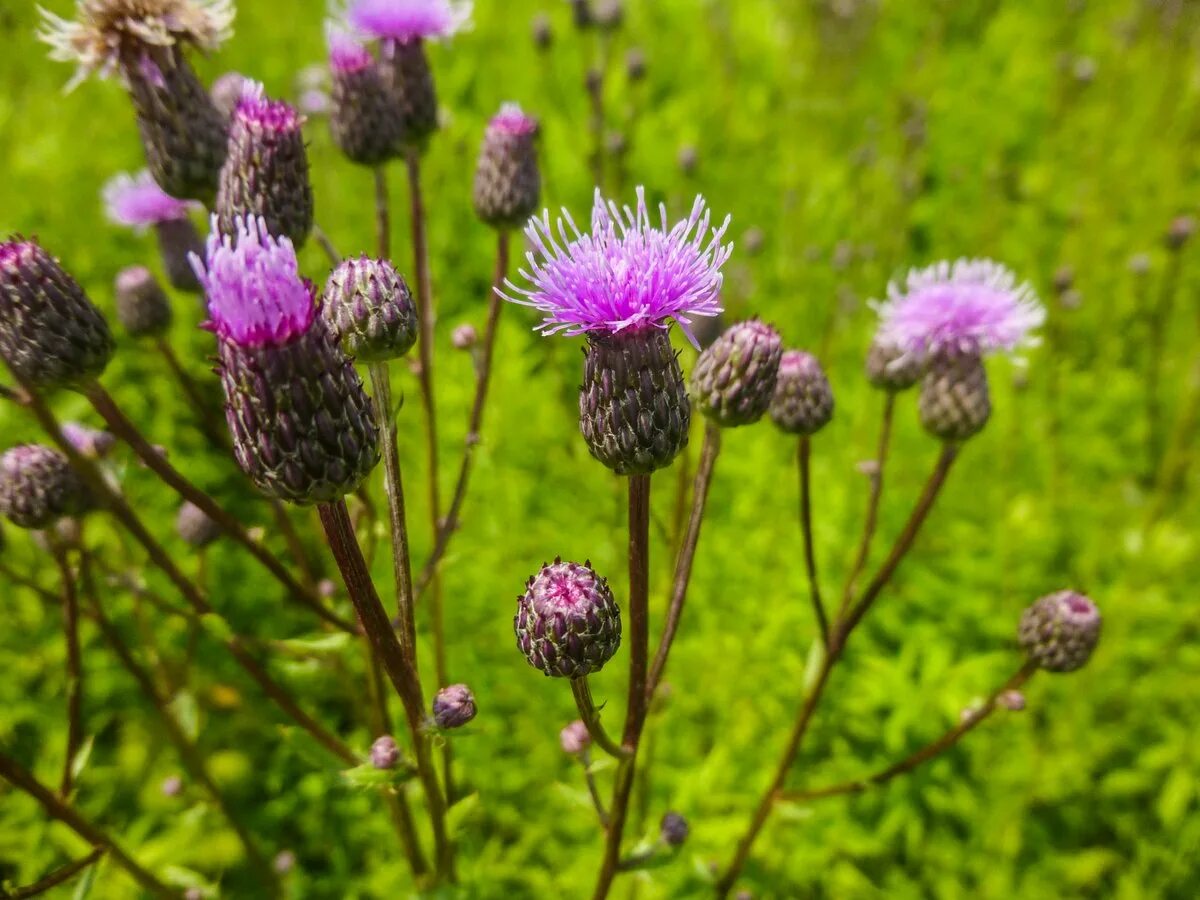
(1060, 631)
(734, 379)
(303, 428)
(141, 42)
(137, 202)
(402, 27)
(266, 172)
(954, 315)
(38, 487)
(621, 285)
(567, 621)
(51, 334)
(508, 185)
(142, 305)
(361, 117)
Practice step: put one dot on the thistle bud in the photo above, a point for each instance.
(50, 332)
(195, 527)
(464, 337)
(453, 707)
(361, 117)
(385, 753)
(1181, 230)
(1013, 701)
(955, 402)
(508, 184)
(688, 159)
(172, 786)
(409, 80)
(38, 487)
(1060, 631)
(581, 13)
(673, 830)
(575, 738)
(226, 91)
(178, 239)
(368, 306)
(284, 862)
(891, 369)
(1064, 279)
(634, 411)
(803, 399)
(567, 622)
(607, 15)
(142, 305)
(734, 379)
(635, 64)
(543, 34)
(266, 172)
(90, 443)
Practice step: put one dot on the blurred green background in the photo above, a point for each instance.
(855, 139)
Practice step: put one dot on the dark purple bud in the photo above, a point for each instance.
(89, 442)
(635, 64)
(567, 622)
(891, 369)
(195, 527)
(673, 829)
(362, 117)
(1064, 279)
(955, 402)
(803, 400)
(543, 34)
(508, 183)
(454, 706)
(143, 308)
(38, 487)
(1181, 230)
(734, 379)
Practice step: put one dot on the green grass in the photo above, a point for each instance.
(800, 121)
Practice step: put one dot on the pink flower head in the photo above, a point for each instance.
(971, 306)
(511, 120)
(255, 108)
(138, 202)
(346, 54)
(256, 296)
(407, 20)
(627, 273)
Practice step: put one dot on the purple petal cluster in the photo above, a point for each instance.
(407, 20)
(627, 273)
(256, 108)
(972, 306)
(256, 296)
(512, 120)
(346, 53)
(138, 202)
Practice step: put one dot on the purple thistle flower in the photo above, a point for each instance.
(512, 120)
(256, 296)
(627, 273)
(408, 20)
(346, 54)
(137, 202)
(972, 306)
(256, 108)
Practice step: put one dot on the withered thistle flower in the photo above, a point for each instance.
(1060, 631)
(567, 621)
(508, 184)
(50, 332)
(137, 202)
(141, 42)
(361, 117)
(303, 428)
(368, 306)
(266, 172)
(142, 306)
(402, 27)
(453, 707)
(734, 379)
(953, 316)
(803, 399)
(38, 487)
(621, 285)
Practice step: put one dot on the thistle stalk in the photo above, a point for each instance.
(804, 463)
(70, 605)
(591, 718)
(871, 520)
(59, 876)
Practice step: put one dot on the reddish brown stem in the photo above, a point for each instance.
(803, 458)
(872, 517)
(70, 604)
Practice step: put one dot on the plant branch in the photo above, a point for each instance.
(70, 605)
(872, 517)
(803, 458)
(55, 878)
(591, 718)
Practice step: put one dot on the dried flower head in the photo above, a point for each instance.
(137, 202)
(627, 273)
(408, 20)
(972, 306)
(110, 36)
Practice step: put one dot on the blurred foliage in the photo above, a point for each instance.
(856, 137)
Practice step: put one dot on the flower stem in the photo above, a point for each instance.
(973, 719)
(591, 718)
(383, 222)
(215, 432)
(1159, 319)
(59, 876)
(872, 517)
(585, 762)
(687, 554)
(475, 424)
(639, 639)
(70, 605)
(404, 677)
(803, 458)
(327, 245)
(123, 428)
(22, 779)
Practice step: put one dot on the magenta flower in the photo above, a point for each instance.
(138, 202)
(627, 273)
(972, 306)
(407, 20)
(512, 120)
(256, 109)
(346, 54)
(256, 296)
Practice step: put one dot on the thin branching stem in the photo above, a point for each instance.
(871, 520)
(804, 463)
(591, 718)
(70, 605)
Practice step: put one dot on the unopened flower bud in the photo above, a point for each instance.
(608, 14)
(195, 527)
(143, 308)
(385, 753)
(368, 306)
(361, 115)
(38, 487)
(1181, 230)
(734, 379)
(803, 399)
(543, 34)
(178, 239)
(454, 706)
(753, 240)
(172, 786)
(464, 336)
(508, 184)
(327, 588)
(635, 64)
(1013, 701)
(1139, 264)
(581, 12)
(575, 738)
(1064, 278)
(567, 622)
(673, 829)
(88, 442)
(285, 861)
(891, 369)
(955, 403)
(1060, 631)
(688, 159)
(409, 79)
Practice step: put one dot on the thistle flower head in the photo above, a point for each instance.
(38, 487)
(385, 752)
(109, 34)
(256, 296)
(408, 20)
(628, 273)
(512, 120)
(972, 306)
(255, 108)
(1060, 631)
(346, 53)
(137, 202)
(567, 621)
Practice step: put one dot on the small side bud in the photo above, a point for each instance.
(567, 622)
(574, 738)
(673, 830)
(385, 753)
(143, 308)
(464, 337)
(1060, 631)
(195, 527)
(453, 706)
(803, 400)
